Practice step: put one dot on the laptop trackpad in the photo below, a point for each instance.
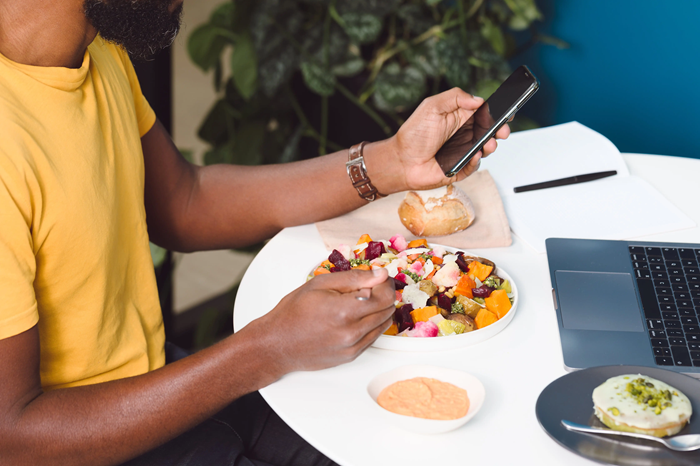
(598, 301)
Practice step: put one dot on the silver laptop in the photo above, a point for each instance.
(627, 302)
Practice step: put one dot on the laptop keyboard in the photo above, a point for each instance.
(669, 286)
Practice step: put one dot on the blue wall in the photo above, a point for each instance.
(632, 72)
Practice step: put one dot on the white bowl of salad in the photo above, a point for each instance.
(445, 298)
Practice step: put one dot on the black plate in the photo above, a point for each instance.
(569, 397)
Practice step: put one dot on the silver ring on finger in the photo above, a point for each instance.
(362, 298)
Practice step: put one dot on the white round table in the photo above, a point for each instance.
(332, 410)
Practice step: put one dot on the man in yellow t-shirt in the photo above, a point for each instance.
(87, 176)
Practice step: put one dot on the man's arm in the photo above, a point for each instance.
(111, 422)
(222, 206)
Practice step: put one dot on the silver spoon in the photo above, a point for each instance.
(678, 442)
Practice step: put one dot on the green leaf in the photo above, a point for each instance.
(379, 8)
(291, 150)
(223, 15)
(218, 76)
(157, 254)
(218, 125)
(362, 28)
(249, 140)
(518, 23)
(492, 32)
(187, 154)
(524, 11)
(424, 57)
(417, 18)
(241, 19)
(433, 2)
(454, 60)
(317, 79)
(494, 66)
(335, 15)
(550, 40)
(350, 68)
(220, 154)
(276, 69)
(398, 89)
(244, 66)
(206, 43)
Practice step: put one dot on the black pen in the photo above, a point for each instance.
(565, 181)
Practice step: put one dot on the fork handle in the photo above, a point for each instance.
(572, 426)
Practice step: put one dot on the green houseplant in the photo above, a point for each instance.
(278, 63)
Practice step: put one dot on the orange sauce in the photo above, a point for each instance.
(425, 398)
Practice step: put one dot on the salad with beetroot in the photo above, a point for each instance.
(438, 293)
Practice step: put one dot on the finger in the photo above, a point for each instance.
(470, 168)
(490, 147)
(364, 294)
(349, 281)
(503, 132)
(381, 297)
(372, 336)
(454, 99)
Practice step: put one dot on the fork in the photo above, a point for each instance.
(679, 442)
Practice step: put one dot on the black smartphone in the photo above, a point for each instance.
(482, 126)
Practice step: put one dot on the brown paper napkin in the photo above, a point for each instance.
(380, 220)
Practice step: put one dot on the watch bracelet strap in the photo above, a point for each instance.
(357, 171)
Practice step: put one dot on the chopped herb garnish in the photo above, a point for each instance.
(457, 308)
(356, 262)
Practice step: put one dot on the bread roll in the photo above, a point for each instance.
(436, 212)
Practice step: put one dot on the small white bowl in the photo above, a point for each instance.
(474, 388)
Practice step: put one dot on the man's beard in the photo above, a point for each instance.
(142, 27)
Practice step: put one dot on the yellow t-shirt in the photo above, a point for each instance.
(74, 254)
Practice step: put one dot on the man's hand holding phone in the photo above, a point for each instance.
(470, 139)
(430, 126)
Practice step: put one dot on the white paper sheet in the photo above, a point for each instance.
(619, 207)
(551, 153)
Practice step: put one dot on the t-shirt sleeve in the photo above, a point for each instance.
(18, 306)
(145, 115)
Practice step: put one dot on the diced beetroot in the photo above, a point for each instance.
(346, 251)
(403, 317)
(444, 301)
(482, 292)
(401, 277)
(425, 329)
(374, 250)
(398, 284)
(462, 264)
(398, 242)
(341, 263)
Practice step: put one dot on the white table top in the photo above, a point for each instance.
(331, 408)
